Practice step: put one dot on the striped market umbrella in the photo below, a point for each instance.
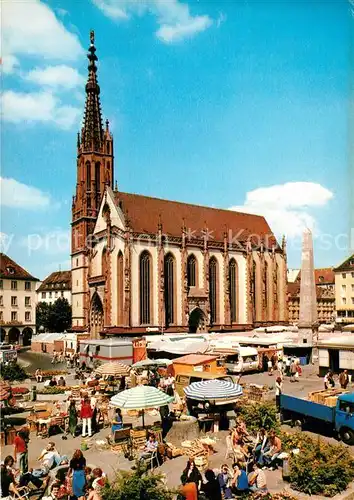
(141, 398)
(113, 369)
(144, 362)
(217, 391)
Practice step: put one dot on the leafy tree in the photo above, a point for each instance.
(42, 316)
(60, 315)
(12, 371)
(137, 485)
(54, 317)
(257, 415)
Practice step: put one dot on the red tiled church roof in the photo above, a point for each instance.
(9, 269)
(144, 214)
(58, 278)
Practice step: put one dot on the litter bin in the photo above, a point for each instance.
(34, 393)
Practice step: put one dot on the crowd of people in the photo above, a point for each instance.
(252, 456)
(74, 479)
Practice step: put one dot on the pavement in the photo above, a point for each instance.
(100, 455)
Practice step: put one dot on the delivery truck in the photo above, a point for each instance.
(340, 417)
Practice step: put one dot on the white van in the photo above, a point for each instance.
(245, 359)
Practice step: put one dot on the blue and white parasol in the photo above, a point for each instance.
(218, 391)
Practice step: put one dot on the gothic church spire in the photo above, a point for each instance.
(92, 132)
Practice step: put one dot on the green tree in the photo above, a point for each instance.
(53, 317)
(42, 316)
(137, 485)
(60, 315)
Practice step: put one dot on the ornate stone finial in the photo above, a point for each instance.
(78, 139)
(92, 37)
(262, 247)
(107, 125)
(283, 243)
(116, 186)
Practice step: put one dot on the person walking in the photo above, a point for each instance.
(21, 451)
(93, 403)
(270, 366)
(72, 418)
(77, 469)
(278, 391)
(344, 379)
(86, 415)
(329, 381)
(293, 371)
(287, 366)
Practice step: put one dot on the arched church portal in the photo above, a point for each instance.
(96, 316)
(196, 321)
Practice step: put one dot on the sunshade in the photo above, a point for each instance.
(213, 390)
(140, 398)
(113, 369)
(151, 362)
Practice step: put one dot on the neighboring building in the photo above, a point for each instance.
(336, 354)
(292, 275)
(344, 291)
(17, 302)
(56, 285)
(324, 280)
(162, 264)
(325, 303)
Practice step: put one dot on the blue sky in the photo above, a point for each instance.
(238, 105)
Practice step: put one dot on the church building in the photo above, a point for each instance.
(143, 264)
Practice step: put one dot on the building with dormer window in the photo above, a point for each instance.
(344, 280)
(17, 302)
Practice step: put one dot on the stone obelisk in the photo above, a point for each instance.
(308, 300)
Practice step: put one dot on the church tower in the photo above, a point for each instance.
(94, 171)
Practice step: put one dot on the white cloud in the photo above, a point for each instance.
(174, 33)
(31, 28)
(174, 18)
(110, 10)
(9, 64)
(14, 194)
(287, 207)
(43, 106)
(56, 76)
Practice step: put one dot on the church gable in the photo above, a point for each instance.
(116, 215)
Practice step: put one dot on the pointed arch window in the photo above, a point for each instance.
(253, 288)
(213, 290)
(145, 269)
(233, 290)
(98, 177)
(120, 292)
(88, 176)
(104, 262)
(192, 271)
(169, 289)
(265, 293)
